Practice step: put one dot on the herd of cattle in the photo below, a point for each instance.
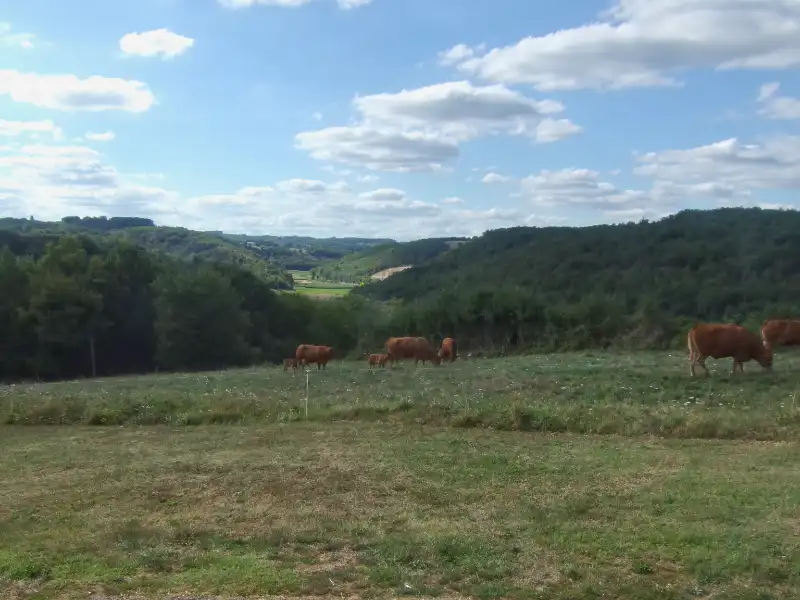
(397, 348)
(708, 340)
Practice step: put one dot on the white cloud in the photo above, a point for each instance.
(421, 129)
(642, 43)
(342, 4)
(457, 54)
(53, 181)
(157, 42)
(729, 165)
(351, 4)
(576, 187)
(20, 40)
(451, 200)
(311, 186)
(493, 177)
(725, 173)
(106, 136)
(773, 106)
(70, 93)
(378, 149)
(553, 130)
(33, 128)
(384, 195)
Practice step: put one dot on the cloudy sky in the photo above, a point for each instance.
(396, 118)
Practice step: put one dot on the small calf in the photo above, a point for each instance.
(377, 359)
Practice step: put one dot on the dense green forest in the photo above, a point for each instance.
(357, 267)
(72, 305)
(267, 256)
(646, 278)
(69, 300)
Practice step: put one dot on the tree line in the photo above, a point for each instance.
(73, 305)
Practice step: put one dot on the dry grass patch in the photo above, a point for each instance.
(370, 510)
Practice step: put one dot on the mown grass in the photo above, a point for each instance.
(303, 284)
(596, 393)
(370, 510)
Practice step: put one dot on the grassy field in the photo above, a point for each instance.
(598, 393)
(483, 478)
(303, 284)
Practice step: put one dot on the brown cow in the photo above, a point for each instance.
(417, 348)
(448, 350)
(308, 353)
(289, 362)
(377, 359)
(780, 332)
(722, 341)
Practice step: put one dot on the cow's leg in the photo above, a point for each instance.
(699, 360)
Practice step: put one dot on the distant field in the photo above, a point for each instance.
(482, 478)
(303, 284)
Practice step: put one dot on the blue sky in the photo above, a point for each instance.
(396, 118)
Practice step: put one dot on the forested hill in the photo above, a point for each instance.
(266, 256)
(359, 266)
(699, 264)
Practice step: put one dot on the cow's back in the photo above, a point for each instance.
(781, 332)
(721, 340)
(401, 347)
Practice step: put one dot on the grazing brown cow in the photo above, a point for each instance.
(377, 360)
(780, 332)
(417, 348)
(722, 341)
(289, 362)
(308, 353)
(448, 350)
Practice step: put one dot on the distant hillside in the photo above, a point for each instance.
(696, 264)
(302, 253)
(175, 241)
(358, 267)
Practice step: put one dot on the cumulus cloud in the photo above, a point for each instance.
(19, 40)
(421, 129)
(351, 4)
(384, 195)
(33, 128)
(106, 136)
(773, 163)
(642, 43)
(575, 187)
(493, 177)
(378, 149)
(70, 93)
(724, 173)
(773, 106)
(451, 200)
(157, 42)
(50, 181)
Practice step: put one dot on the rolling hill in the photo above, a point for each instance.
(698, 264)
(269, 257)
(360, 266)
